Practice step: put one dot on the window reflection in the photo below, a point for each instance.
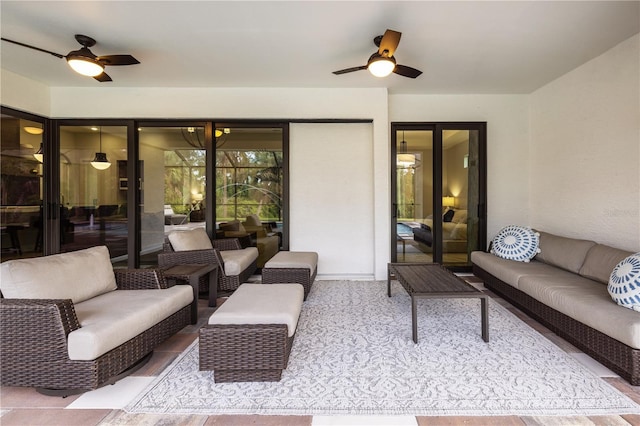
(21, 188)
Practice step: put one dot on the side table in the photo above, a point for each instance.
(192, 274)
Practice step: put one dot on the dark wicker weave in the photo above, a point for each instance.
(225, 282)
(245, 352)
(34, 341)
(615, 355)
(290, 275)
(231, 282)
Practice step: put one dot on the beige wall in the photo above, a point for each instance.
(585, 150)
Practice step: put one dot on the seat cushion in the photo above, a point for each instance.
(510, 271)
(193, 239)
(236, 261)
(586, 301)
(294, 259)
(109, 320)
(77, 275)
(262, 304)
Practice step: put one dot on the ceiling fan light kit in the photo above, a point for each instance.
(83, 61)
(382, 63)
(381, 66)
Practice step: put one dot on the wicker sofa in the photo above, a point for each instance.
(70, 323)
(565, 288)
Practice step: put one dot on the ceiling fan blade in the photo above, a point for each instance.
(103, 78)
(346, 70)
(57, 55)
(406, 71)
(389, 42)
(118, 60)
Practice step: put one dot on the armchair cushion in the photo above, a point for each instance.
(109, 320)
(194, 239)
(236, 261)
(234, 225)
(79, 275)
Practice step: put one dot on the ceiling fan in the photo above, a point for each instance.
(382, 63)
(83, 61)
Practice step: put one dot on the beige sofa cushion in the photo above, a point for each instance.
(193, 239)
(509, 271)
(586, 301)
(236, 261)
(600, 262)
(109, 320)
(563, 252)
(262, 304)
(77, 275)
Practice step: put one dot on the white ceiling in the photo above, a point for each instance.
(462, 47)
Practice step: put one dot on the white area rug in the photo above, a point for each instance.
(353, 354)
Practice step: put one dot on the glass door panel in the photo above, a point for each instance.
(93, 203)
(250, 175)
(460, 195)
(414, 195)
(21, 163)
(172, 186)
(439, 193)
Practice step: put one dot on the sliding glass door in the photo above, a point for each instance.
(439, 192)
(172, 185)
(93, 202)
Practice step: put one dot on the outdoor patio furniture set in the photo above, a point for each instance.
(83, 327)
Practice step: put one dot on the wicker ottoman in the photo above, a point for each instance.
(292, 267)
(249, 338)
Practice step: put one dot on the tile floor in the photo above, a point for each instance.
(24, 406)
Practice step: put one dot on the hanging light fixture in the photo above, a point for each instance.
(404, 159)
(39, 154)
(101, 162)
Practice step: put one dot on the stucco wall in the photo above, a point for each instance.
(585, 150)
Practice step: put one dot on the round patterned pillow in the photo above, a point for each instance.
(624, 282)
(515, 242)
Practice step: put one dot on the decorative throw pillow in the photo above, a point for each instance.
(624, 283)
(515, 242)
(448, 216)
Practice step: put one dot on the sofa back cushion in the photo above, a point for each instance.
(77, 275)
(600, 262)
(253, 220)
(563, 252)
(192, 239)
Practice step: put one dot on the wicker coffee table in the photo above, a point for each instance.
(434, 281)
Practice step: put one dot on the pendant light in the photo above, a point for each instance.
(101, 162)
(404, 159)
(39, 154)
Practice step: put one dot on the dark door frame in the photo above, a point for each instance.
(437, 128)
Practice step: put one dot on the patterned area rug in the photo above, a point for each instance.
(353, 354)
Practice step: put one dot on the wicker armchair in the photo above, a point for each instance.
(225, 282)
(34, 347)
